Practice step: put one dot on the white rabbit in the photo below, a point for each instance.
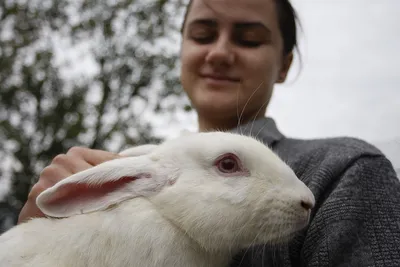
(194, 201)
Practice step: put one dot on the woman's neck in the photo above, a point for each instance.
(224, 124)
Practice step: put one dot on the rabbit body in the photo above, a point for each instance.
(193, 201)
(96, 239)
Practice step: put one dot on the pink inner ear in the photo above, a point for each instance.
(74, 191)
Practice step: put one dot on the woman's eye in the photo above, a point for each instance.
(249, 43)
(249, 38)
(203, 39)
(202, 35)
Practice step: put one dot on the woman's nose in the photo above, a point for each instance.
(220, 53)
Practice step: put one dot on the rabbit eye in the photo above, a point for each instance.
(228, 164)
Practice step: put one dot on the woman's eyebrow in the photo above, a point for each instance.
(247, 25)
(206, 22)
(238, 25)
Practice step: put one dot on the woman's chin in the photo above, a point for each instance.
(217, 108)
(217, 103)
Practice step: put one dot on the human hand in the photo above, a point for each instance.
(62, 166)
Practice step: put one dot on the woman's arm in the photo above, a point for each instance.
(358, 224)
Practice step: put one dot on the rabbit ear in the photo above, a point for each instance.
(101, 186)
(138, 150)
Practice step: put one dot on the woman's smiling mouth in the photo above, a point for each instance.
(218, 79)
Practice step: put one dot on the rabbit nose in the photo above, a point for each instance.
(307, 204)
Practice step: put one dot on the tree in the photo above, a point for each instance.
(50, 102)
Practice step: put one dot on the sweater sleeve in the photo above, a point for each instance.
(357, 222)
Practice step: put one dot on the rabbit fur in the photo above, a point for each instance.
(193, 201)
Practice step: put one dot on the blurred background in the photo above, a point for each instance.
(104, 74)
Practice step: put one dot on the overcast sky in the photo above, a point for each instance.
(349, 83)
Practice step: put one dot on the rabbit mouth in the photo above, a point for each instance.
(280, 233)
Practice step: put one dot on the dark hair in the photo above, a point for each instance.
(287, 18)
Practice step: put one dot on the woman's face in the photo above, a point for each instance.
(232, 54)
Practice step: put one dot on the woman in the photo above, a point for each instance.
(233, 52)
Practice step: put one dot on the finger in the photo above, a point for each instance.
(70, 163)
(92, 156)
(28, 211)
(51, 175)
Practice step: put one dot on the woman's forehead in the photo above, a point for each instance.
(233, 11)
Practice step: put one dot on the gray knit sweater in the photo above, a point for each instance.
(356, 221)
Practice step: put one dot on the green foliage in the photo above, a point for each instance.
(50, 101)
